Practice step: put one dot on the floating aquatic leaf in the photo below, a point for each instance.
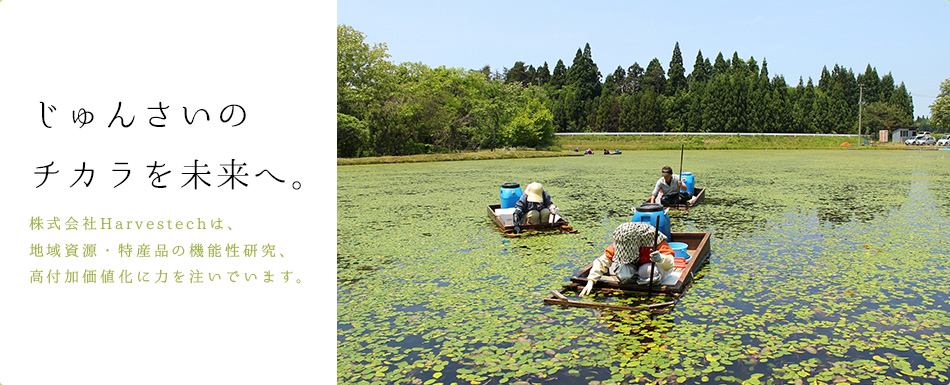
(422, 289)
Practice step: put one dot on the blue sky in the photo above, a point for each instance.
(909, 39)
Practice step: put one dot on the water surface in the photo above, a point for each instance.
(826, 266)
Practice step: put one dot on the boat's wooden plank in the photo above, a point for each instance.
(598, 305)
(576, 287)
(560, 224)
(698, 248)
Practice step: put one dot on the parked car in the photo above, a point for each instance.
(926, 141)
(944, 141)
(914, 139)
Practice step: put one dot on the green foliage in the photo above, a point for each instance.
(584, 75)
(530, 124)
(654, 79)
(940, 109)
(700, 73)
(363, 74)
(677, 73)
(883, 116)
(352, 136)
(559, 76)
(414, 109)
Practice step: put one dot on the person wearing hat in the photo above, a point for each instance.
(632, 257)
(534, 207)
(667, 189)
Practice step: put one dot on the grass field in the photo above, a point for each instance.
(719, 142)
(563, 144)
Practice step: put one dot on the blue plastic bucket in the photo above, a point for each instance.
(688, 181)
(510, 193)
(648, 213)
(679, 250)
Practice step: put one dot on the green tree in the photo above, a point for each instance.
(486, 70)
(694, 122)
(904, 103)
(607, 116)
(584, 75)
(559, 76)
(517, 74)
(940, 109)
(721, 66)
(634, 78)
(886, 87)
(654, 78)
(872, 87)
(529, 124)
(676, 72)
(362, 72)
(614, 83)
(544, 74)
(825, 81)
(752, 67)
(699, 74)
(352, 136)
(737, 65)
(883, 116)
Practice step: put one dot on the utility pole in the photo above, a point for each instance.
(860, 103)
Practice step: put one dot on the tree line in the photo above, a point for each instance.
(388, 109)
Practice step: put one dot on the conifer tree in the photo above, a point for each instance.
(634, 77)
(516, 74)
(559, 76)
(616, 82)
(654, 78)
(699, 73)
(872, 84)
(676, 72)
(721, 67)
(886, 87)
(584, 75)
(544, 75)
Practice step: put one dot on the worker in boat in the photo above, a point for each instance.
(534, 207)
(667, 189)
(632, 257)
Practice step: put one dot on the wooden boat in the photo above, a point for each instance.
(700, 196)
(558, 225)
(697, 246)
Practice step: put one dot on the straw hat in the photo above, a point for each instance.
(535, 191)
(629, 237)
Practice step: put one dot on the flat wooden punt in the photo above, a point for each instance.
(700, 197)
(560, 224)
(697, 246)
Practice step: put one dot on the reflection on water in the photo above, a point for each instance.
(807, 282)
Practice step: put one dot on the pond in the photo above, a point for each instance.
(827, 266)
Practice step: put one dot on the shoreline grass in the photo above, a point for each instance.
(562, 145)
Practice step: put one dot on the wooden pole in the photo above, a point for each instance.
(656, 240)
(682, 147)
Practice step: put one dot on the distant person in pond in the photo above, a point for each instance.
(667, 189)
(534, 207)
(631, 257)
